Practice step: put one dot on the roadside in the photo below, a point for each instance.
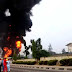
(43, 67)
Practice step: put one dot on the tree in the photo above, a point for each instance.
(63, 51)
(44, 53)
(15, 57)
(36, 48)
(49, 48)
(26, 51)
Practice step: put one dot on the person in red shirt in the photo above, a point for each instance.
(5, 65)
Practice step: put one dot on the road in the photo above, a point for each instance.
(15, 69)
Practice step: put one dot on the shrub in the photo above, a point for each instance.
(15, 57)
(66, 62)
(52, 62)
(34, 62)
(25, 57)
(13, 62)
(24, 62)
(70, 62)
(19, 62)
(40, 62)
(45, 62)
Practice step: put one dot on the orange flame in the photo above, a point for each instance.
(8, 52)
(18, 45)
(5, 49)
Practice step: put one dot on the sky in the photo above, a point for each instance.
(52, 22)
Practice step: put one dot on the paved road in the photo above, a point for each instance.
(32, 70)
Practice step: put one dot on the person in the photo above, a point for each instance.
(0, 64)
(5, 65)
(8, 65)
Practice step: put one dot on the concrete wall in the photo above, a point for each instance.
(26, 60)
(53, 58)
(47, 58)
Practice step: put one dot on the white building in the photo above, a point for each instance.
(69, 47)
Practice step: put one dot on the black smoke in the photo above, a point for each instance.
(14, 27)
(20, 14)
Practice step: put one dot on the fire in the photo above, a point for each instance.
(18, 45)
(5, 49)
(8, 52)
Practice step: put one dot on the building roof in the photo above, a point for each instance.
(68, 44)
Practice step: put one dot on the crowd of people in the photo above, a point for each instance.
(5, 63)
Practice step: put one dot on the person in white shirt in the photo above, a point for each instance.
(8, 65)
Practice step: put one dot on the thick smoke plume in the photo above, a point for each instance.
(14, 27)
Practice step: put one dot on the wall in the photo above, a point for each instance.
(53, 58)
(47, 58)
(26, 60)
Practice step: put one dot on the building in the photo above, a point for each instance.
(69, 47)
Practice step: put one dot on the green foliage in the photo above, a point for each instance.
(37, 51)
(36, 48)
(26, 51)
(43, 62)
(25, 57)
(66, 62)
(25, 62)
(15, 57)
(44, 53)
(52, 62)
(63, 62)
(40, 62)
(17, 62)
(13, 62)
(70, 62)
(31, 63)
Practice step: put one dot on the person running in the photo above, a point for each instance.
(8, 65)
(5, 65)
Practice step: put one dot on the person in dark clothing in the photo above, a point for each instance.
(0, 64)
